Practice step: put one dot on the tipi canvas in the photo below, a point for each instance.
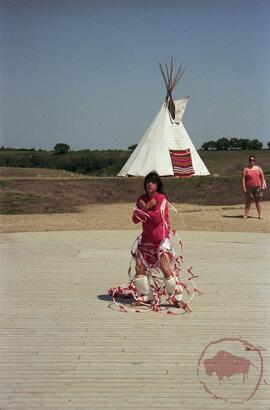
(166, 146)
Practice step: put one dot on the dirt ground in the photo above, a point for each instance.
(118, 216)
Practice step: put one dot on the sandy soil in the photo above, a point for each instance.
(117, 216)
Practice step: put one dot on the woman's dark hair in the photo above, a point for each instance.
(154, 178)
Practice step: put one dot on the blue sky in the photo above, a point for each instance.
(86, 73)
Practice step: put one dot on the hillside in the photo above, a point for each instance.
(40, 190)
(68, 194)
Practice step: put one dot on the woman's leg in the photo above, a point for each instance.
(170, 281)
(165, 265)
(258, 206)
(247, 207)
(142, 284)
(139, 268)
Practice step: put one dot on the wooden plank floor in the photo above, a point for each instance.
(62, 348)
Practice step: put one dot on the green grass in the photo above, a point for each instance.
(109, 162)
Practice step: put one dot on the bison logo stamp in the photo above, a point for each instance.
(230, 369)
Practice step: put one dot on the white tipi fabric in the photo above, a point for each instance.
(180, 107)
(152, 152)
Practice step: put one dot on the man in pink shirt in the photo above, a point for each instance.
(253, 182)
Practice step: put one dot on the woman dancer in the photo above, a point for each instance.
(154, 248)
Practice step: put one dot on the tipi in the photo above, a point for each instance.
(166, 146)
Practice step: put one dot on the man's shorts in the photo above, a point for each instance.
(255, 192)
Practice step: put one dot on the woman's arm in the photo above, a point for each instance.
(139, 213)
(144, 211)
(244, 180)
(135, 217)
(155, 214)
(262, 179)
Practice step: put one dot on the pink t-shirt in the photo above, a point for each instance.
(253, 177)
(157, 226)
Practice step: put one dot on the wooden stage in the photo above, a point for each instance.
(61, 346)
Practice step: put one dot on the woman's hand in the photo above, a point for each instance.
(152, 203)
(145, 206)
(141, 204)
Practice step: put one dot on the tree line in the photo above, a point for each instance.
(225, 144)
